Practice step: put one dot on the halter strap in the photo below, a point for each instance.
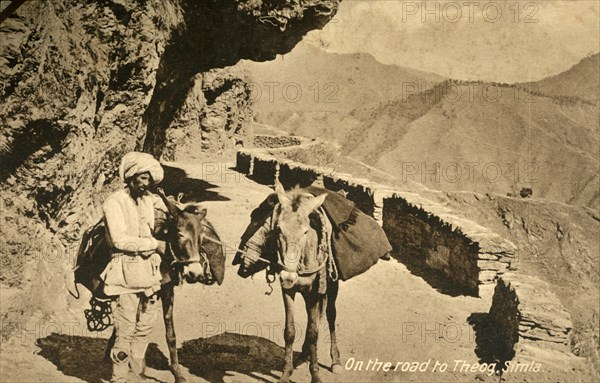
(211, 239)
(324, 246)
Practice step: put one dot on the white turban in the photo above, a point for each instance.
(136, 163)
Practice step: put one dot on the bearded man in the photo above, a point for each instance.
(133, 274)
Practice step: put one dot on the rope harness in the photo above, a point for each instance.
(98, 316)
(327, 232)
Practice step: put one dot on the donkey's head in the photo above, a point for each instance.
(185, 231)
(296, 240)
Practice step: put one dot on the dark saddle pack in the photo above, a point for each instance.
(92, 258)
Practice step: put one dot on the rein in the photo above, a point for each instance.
(211, 239)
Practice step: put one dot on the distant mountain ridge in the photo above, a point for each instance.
(309, 79)
(498, 145)
(581, 81)
(455, 135)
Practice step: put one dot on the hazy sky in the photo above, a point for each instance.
(505, 41)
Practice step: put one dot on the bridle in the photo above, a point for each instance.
(324, 247)
(202, 259)
(280, 263)
(276, 264)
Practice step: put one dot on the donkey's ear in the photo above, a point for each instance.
(314, 203)
(196, 209)
(283, 198)
(170, 205)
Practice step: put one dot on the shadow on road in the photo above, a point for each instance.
(176, 181)
(217, 357)
(83, 357)
(489, 341)
(211, 358)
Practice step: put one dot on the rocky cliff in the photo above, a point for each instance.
(85, 81)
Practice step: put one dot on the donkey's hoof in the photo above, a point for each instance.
(180, 379)
(337, 368)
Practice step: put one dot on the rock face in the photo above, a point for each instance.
(84, 82)
(212, 117)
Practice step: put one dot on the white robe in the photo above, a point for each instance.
(129, 227)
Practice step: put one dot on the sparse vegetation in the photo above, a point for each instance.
(549, 126)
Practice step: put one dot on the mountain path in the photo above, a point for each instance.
(235, 331)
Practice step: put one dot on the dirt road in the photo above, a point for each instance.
(234, 332)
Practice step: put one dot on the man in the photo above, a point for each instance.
(133, 273)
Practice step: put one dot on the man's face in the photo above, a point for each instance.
(138, 184)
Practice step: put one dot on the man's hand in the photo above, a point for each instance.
(161, 248)
(249, 259)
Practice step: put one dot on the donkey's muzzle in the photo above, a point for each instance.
(193, 272)
(288, 279)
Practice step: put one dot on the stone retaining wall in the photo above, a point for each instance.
(264, 169)
(269, 141)
(293, 173)
(424, 239)
(425, 232)
(243, 162)
(477, 249)
(525, 310)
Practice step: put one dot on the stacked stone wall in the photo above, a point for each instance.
(422, 232)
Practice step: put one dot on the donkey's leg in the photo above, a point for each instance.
(313, 306)
(168, 298)
(289, 335)
(331, 312)
(305, 353)
(322, 302)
